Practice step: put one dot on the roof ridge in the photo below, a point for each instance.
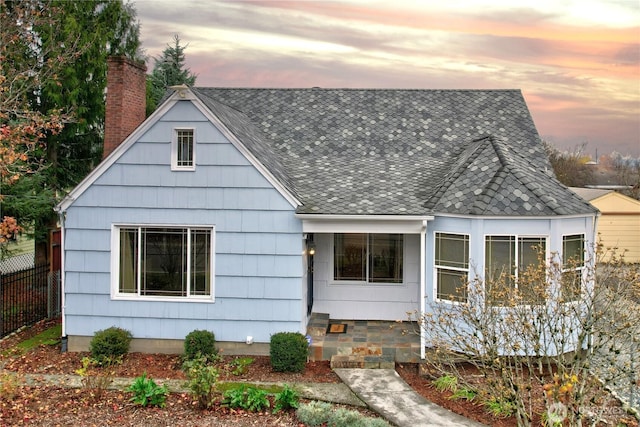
(202, 94)
(461, 162)
(520, 174)
(354, 89)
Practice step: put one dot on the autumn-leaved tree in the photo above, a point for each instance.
(169, 70)
(25, 64)
(57, 51)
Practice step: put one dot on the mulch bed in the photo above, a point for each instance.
(53, 406)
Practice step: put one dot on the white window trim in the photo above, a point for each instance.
(547, 253)
(115, 266)
(436, 266)
(333, 280)
(174, 150)
(580, 269)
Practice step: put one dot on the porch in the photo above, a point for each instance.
(363, 343)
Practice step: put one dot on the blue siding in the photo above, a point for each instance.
(258, 240)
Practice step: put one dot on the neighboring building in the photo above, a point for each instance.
(619, 225)
(22, 255)
(204, 217)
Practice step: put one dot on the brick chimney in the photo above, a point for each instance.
(126, 100)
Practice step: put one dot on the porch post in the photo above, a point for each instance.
(423, 281)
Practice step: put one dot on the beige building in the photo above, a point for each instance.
(619, 223)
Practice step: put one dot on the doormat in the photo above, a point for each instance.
(337, 328)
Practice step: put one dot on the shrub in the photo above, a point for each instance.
(249, 398)
(200, 342)
(287, 399)
(500, 408)
(465, 393)
(288, 351)
(446, 383)
(240, 365)
(95, 381)
(322, 413)
(9, 384)
(314, 413)
(342, 417)
(147, 393)
(109, 344)
(375, 422)
(202, 380)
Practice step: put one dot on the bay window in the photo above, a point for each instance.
(513, 263)
(572, 266)
(452, 266)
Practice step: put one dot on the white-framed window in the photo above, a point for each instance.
(163, 262)
(183, 149)
(451, 266)
(512, 263)
(572, 266)
(369, 258)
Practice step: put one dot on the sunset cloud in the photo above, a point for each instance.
(577, 62)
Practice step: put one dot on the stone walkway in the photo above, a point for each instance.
(387, 394)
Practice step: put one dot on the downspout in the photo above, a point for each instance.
(423, 283)
(61, 216)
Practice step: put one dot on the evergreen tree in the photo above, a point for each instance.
(67, 55)
(168, 71)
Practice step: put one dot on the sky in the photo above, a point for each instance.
(577, 62)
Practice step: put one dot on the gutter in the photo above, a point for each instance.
(61, 218)
(423, 281)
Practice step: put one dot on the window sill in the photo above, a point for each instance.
(361, 283)
(125, 297)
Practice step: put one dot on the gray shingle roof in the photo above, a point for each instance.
(398, 152)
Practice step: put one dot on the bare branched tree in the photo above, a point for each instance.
(560, 337)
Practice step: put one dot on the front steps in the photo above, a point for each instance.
(354, 361)
(366, 344)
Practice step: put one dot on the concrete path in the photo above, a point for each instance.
(385, 392)
(382, 390)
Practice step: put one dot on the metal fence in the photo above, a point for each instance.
(27, 296)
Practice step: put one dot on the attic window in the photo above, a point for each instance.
(183, 150)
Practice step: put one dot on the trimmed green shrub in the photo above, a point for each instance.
(110, 344)
(200, 343)
(288, 352)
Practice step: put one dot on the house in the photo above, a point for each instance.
(242, 211)
(21, 255)
(619, 225)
